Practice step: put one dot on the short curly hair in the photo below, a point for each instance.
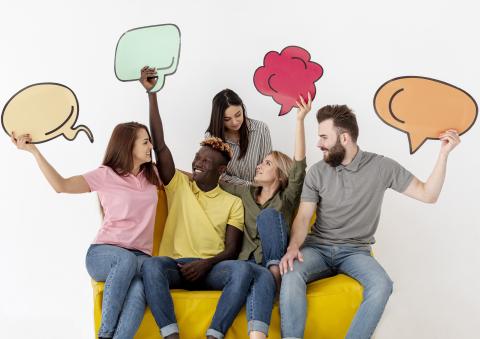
(219, 145)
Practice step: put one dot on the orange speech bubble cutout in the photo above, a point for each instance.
(423, 108)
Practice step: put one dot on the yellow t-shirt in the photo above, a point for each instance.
(197, 220)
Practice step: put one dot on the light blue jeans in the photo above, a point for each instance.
(123, 303)
(321, 261)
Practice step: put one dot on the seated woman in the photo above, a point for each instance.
(248, 138)
(270, 204)
(126, 184)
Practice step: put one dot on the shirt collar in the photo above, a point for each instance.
(210, 194)
(354, 164)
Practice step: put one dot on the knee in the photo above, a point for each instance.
(136, 289)
(153, 268)
(127, 261)
(241, 273)
(267, 217)
(265, 278)
(292, 279)
(268, 214)
(380, 289)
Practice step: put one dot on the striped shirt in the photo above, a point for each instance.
(242, 171)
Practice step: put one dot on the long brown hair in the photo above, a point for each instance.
(119, 156)
(221, 101)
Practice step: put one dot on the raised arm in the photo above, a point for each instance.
(75, 184)
(165, 164)
(303, 109)
(429, 191)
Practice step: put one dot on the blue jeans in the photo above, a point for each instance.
(273, 233)
(160, 274)
(260, 299)
(123, 301)
(321, 261)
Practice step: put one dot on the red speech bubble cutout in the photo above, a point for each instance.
(286, 75)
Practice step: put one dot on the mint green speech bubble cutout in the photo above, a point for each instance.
(154, 46)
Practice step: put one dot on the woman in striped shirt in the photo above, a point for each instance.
(249, 139)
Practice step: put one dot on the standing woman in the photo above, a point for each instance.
(249, 139)
(126, 184)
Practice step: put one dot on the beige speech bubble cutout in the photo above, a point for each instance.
(45, 111)
(424, 107)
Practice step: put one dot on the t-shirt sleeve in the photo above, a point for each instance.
(236, 217)
(311, 186)
(395, 176)
(96, 179)
(178, 179)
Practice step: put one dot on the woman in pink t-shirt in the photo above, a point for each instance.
(126, 184)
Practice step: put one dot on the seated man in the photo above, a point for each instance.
(346, 190)
(203, 230)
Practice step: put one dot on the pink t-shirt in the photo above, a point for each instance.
(129, 203)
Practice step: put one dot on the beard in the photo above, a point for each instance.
(335, 154)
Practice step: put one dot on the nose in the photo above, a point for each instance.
(319, 143)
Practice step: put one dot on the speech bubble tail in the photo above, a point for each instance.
(159, 85)
(80, 128)
(284, 110)
(415, 142)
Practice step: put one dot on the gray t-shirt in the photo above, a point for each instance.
(349, 198)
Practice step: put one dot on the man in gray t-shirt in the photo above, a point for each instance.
(346, 190)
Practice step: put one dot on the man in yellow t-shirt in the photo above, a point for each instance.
(203, 234)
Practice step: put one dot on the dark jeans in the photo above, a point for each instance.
(160, 274)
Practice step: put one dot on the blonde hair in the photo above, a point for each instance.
(283, 163)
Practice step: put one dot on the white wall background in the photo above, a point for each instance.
(430, 251)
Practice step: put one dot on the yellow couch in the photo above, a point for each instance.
(331, 303)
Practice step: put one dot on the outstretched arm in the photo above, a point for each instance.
(165, 164)
(429, 191)
(75, 184)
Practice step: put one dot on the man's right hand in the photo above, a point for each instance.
(287, 260)
(148, 77)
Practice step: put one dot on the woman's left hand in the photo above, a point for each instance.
(304, 108)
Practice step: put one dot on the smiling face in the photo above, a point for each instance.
(266, 172)
(233, 118)
(330, 143)
(142, 148)
(207, 166)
